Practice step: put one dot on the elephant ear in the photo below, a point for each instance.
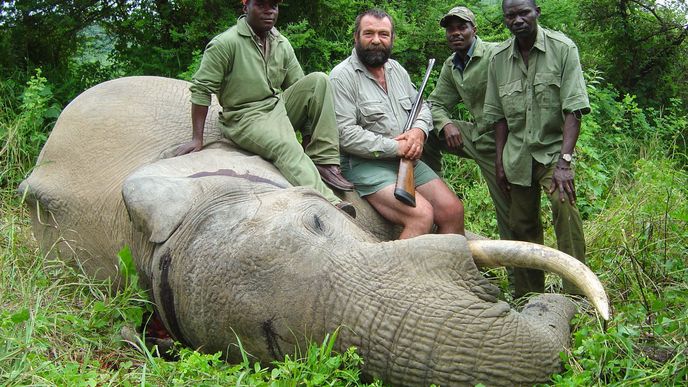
(157, 204)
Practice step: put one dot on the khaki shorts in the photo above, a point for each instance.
(370, 176)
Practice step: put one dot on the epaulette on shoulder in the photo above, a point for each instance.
(503, 46)
(560, 37)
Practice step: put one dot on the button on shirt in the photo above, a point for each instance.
(238, 71)
(533, 100)
(467, 83)
(368, 117)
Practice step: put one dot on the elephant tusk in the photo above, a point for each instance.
(490, 253)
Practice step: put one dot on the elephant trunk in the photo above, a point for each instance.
(489, 253)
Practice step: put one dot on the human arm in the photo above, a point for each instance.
(216, 62)
(574, 103)
(198, 116)
(494, 114)
(501, 133)
(562, 177)
(294, 72)
(443, 99)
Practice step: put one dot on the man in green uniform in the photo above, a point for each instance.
(373, 99)
(464, 78)
(536, 97)
(259, 83)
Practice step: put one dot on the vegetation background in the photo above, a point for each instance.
(60, 328)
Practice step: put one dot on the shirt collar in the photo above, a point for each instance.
(539, 42)
(472, 51)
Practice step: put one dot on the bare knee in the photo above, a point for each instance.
(449, 216)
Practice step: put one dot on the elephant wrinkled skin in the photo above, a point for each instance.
(227, 246)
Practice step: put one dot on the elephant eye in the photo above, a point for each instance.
(317, 224)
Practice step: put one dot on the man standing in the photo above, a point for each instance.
(536, 97)
(373, 98)
(259, 83)
(464, 78)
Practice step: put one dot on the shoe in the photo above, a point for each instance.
(347, 208)
(332, 176)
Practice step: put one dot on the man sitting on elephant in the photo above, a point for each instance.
(373, 97)
(261, 87)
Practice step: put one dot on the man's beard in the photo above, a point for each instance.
(373, 56)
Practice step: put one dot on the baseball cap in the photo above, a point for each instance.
(460, 12)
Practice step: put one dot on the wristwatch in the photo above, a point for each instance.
(568, 157)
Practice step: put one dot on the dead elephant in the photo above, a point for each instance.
(226, 246)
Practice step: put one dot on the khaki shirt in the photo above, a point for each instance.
(453, 86)
(533, 100)
(234, 68)
(368, 117)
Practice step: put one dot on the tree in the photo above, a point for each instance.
(640, 45)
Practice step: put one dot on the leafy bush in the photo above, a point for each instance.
(22, 134)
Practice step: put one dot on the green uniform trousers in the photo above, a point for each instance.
(269, 132)
(527, 226)
(432, 155)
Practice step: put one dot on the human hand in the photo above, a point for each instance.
(191, 146)
(453, 136)
(502, 181)
(415, 138)
(562, 180)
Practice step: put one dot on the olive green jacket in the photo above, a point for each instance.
(453, 86)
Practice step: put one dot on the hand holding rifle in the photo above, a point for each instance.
(405, 189)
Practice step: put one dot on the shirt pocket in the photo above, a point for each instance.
(547, 90)
(276, 75)
(513, 99)
(373, 117)
(406, 104)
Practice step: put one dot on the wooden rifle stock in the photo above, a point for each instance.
(405, 189)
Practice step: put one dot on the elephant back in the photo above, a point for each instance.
(101, 137)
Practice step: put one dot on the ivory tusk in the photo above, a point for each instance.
(490, 253)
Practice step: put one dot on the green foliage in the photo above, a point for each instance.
(639, 244)
(22, 134)
(641, 45)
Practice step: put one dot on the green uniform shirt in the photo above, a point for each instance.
(533, 100)
(368, 117)
(453, 86)
(234, 68)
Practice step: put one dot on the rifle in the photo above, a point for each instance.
(405, 189)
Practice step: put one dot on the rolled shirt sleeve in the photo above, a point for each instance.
(574, 96)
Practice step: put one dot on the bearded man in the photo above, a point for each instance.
(373, 96)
